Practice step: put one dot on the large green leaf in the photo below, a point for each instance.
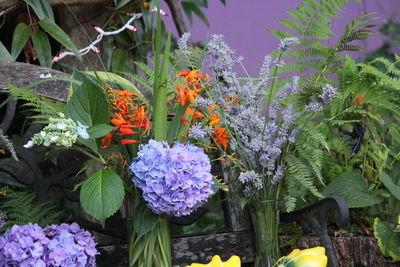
(114, 78)
(102, 194)
(42, 9)
(144, 220)
(4, 54)
(42, 47)
(192, 6)
(20, 37)
(388, 239)
(99, 130)
(353, 189)
(392, 187)
(58, 34)
(87, 104)
(119, 59)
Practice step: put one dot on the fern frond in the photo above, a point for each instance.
(38, 104)
(195, 60)
(20, 209)
(299, 170)
(383, 78)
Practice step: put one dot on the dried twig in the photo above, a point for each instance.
(176, 11)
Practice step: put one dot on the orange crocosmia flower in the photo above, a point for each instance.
(214, 119)
(221, 137)
(189, 111)
(119, 120)
(128, 141)
(182, 94)
(106, 141)
(213, 107)
(360, 99)
(126, 130)
(123, 93)
(184, 121)
(191, 75)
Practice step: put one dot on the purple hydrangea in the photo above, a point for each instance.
(70, 245)
(174, 180)
(56, 245)
(23, 246)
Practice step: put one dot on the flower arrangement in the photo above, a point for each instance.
(262, 118)
(55, 245)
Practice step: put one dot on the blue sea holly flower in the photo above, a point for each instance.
(174, 180)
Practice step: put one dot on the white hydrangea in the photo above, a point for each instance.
(60, 131)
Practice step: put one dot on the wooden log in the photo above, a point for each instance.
(9, 3)
(21, 74)
(351, 250)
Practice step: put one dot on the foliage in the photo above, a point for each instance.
(311, 23)
(102, 194)
(21, 209)
(353, 189)
(388, 239)
(42, 106)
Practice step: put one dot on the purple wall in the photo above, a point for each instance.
(244, 24)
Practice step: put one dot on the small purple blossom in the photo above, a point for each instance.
(198, 131)
(3, 218)
(183, 44)
(313, 107)
(288, 42)
(278, 176)
(174, 180)
(328, 93)
(252, 178)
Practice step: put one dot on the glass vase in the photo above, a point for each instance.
(265, 220)
(152, 249)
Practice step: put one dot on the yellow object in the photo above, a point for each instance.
(311, 257)
(216, 261)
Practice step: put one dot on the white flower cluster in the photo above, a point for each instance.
(60, 132)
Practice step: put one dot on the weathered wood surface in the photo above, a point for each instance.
(9, 3)
(350, 250)
(21, 74)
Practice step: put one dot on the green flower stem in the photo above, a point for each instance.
(265, 219)
(90, 155)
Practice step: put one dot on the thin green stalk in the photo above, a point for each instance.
(90, 155)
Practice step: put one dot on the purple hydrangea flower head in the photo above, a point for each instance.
(23, 245)
(70, 245)
(174, 180)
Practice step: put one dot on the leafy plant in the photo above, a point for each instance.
(311, 24)
(21, 209)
